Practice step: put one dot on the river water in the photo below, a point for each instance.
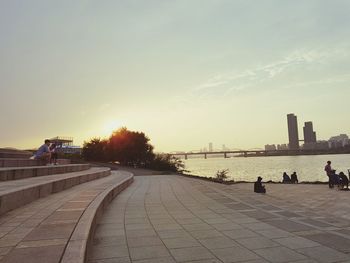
(309, 168)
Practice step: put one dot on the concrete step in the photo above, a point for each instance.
(25, 162)
(14, 194)
(53, 229)
(14, 154)
(16, 173)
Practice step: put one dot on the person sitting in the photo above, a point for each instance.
(294, 178)
(286, 178)
(344, 181)
(43, 152)
(258, 187)
(53, 159)
(335, 178)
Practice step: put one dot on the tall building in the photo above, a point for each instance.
(309, 133)
(210, 147)
(339, 141)
(293, 132)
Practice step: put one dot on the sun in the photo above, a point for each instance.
(110, 127)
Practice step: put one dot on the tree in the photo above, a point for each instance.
(95, 150)
(130, 148)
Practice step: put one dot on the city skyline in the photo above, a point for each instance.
(183, 72)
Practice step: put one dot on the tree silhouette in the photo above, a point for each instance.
(95, 150)
(130, 148)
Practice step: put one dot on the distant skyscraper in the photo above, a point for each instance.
(293, 132)
(210, 147)
(309, 134)
(270, 147)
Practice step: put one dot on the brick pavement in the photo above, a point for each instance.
(176, 219)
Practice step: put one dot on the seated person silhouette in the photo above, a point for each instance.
(335, 178)
(294, 178)
(43, 152)
(344, 181)
(258, 187)
(286, 178)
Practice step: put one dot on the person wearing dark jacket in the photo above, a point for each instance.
(258, 187)
(344, 181)
(286, 178)
(294, 178)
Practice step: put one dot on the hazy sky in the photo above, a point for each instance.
(185, 72)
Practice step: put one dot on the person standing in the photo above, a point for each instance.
(53, 159)
(328, 170)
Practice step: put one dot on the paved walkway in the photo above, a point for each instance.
(177, 219)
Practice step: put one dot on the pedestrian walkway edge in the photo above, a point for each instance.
(82, 236)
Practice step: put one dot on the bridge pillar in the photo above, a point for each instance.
(205, 156)
(225, 155)
(185, 156)
(245, 154)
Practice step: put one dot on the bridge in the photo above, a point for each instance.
(261, 152)
(224, 153)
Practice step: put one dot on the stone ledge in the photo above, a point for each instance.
(81, 239)
(16, 173)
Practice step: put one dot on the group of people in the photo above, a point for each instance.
(47, 152)
(341, 180)
(260, 188)
(293, 179)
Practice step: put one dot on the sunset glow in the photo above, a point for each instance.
(184, 72)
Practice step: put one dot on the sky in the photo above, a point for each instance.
(185, 72)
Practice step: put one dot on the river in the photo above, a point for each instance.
(308, 167)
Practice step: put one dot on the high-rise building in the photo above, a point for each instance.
(210, 147)
(293, 132)
(309, 133)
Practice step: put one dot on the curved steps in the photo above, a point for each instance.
(14, 194)
(25, 162)
(15, 173)
(58, 228)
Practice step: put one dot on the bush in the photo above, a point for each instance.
(166, 162)
(221, 175)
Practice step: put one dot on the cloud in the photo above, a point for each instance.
(229, 82)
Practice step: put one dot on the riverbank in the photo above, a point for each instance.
(142, 172)
(308, 168)
(229, 182)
